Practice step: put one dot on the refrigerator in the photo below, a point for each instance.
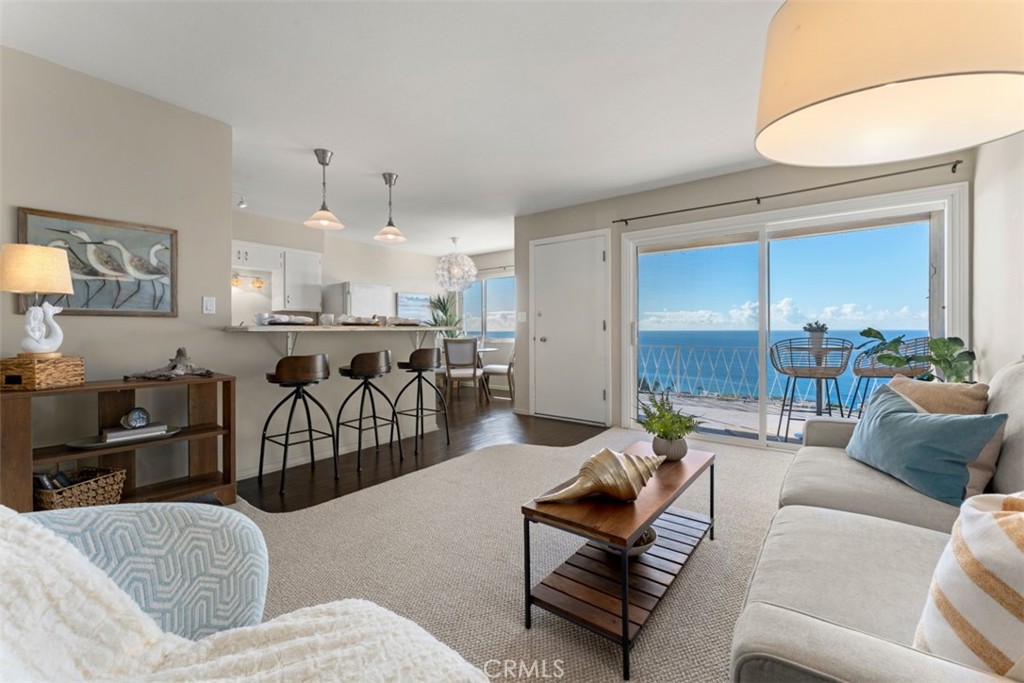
(364, 299)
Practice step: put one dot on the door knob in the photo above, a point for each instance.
(543, 339)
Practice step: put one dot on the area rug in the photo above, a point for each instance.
(444, 547)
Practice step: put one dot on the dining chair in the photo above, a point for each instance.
(462, 364)
(505, 369)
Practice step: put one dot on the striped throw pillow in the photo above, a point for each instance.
(975, 609)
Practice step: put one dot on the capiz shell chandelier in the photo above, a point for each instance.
(456, 271)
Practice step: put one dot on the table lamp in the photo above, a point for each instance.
(37, 270)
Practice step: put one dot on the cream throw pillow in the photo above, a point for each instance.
(943, 397)
(975, 609)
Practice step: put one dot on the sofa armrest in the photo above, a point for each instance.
(772, 643)
(828, 431)
(196, 569)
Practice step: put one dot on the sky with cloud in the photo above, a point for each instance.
(850, 280)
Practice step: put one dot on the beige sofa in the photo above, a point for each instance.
(844, 571)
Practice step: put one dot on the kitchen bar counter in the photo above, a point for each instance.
(418, 333)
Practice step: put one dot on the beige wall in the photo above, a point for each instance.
(348, 261)
(78, 145)
(998, 314)
(252, 227)
(757, 182)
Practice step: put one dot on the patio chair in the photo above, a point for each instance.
(866, 367)
(803, 358)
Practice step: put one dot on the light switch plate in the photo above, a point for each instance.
(210, 305)
(521, 316)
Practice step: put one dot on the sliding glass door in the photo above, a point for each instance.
(707, 303)
(698, 333)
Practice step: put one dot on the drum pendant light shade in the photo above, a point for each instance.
(847, 83)
(323, 219)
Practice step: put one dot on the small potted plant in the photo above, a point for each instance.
(816, 332)
(668, 426)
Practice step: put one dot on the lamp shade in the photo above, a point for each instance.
(33, 269)
(389, 233)
(323, 220)
(847, 83)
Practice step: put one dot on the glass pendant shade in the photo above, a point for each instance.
(848, 83)
(389, 233)
(456, 271)
(323, 219)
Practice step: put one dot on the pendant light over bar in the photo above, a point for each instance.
(389, 233)
(324, 219)
(847, 83)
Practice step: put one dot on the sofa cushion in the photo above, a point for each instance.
(975, 609)
(829, 478)
(1006, 395)
(943, 397)
(856, 571)
(929, 452)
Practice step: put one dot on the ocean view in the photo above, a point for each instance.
(724, 363)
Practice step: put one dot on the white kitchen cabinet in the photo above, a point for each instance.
(256, 256)
(301, 280)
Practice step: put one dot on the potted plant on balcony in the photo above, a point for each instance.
(669, 427)
(816, 332)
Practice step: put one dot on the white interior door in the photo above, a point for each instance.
(570, 296)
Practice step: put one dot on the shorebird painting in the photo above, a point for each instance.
(80, 270)
(103, 260)
(139, 268)
(165, 282)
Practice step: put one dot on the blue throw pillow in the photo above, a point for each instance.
(929, 452)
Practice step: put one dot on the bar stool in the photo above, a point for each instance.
(867, 369)
(366, 367)
(821, 361)
(297, 373)
(421, 362)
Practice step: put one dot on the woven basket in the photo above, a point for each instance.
(90, 486)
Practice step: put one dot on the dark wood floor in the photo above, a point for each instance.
(472, 428)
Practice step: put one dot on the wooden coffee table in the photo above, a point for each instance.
(601, 587)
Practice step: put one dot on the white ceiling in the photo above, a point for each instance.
(485, 110)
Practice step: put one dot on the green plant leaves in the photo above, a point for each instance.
(661, 418)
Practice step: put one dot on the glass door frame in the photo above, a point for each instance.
(947, 204)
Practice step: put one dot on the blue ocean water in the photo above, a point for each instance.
(726, 362)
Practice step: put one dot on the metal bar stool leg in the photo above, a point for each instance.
(338, 426)
(362, 406)
(792, 399)
(309, 428)
(334, 436)
(391, 432)
(394, 416)
(287, 438)
(782, 410)
(263, 441)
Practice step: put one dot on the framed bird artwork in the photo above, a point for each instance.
(116, 268)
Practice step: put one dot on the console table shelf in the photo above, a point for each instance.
(211, 470)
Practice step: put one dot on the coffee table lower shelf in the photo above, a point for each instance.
(586, 588)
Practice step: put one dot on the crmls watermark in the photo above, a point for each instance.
(518, 668)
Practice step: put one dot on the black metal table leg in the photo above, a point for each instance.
(526, 567)
(624, 575)
(712, 531)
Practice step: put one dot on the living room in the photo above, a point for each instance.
(82, 145)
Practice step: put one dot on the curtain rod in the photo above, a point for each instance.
(786, 194)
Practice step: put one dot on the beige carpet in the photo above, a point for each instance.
(444, 547)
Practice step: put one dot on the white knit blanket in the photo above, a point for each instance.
(63, 619)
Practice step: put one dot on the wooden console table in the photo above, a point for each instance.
(18, 457)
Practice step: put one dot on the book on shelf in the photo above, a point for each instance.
(119, 434)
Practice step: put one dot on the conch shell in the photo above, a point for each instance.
(617, 475)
